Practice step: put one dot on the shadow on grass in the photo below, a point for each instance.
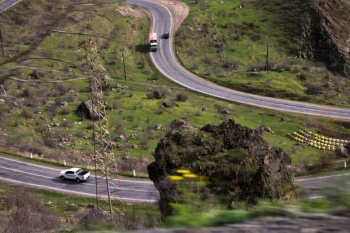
(142, 48)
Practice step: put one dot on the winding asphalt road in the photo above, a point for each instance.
(48, 178)
(131, 190)
(165, 60)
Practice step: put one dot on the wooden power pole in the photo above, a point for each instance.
(267, 59)
(2, 45)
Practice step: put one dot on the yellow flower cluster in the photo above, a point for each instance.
(316, 140)
(182, 174)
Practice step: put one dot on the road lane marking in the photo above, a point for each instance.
(322, 177)
(75, 192)
(30, 164)
(316, 197)
(48, 177)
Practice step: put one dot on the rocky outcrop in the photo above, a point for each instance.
(237, 161)
(85, 110)
(342, 151)
(325, 30)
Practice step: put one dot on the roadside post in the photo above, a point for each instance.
(345, 164)
(134, 173)
(64, 162)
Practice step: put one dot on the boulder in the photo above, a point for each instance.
(158, 127)
(49, 204)
(265, 129)
(342, 152)
(180, 123)
(64, 103)
(85, 110)
(157, 95)
(91, 206)
(72, 207)
(122, 138)
(238, 162)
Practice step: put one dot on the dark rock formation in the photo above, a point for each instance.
(84, 111)
(238, 162)
(324, 35)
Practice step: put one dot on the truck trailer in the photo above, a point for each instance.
(153, 41)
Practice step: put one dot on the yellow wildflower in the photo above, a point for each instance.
(183, 171)
(190, 175)
(176, 178)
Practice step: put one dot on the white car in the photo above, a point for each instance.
(76, 174)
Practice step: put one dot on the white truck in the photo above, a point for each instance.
(76, 174)
(153, 41)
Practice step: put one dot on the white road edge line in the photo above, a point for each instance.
(132, 181)
(74, 192)
(10, 6)
(322, 177)
(316, 197)
(48, 177)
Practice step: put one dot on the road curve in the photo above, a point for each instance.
(5, 4)
(316, 187)
(48, 178)
(166, 62)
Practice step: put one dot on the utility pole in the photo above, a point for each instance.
(124, 65)
(2, 45)
(103, 156)
(267, 59)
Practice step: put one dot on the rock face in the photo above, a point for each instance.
(325, 32)
(85, 110)
(237, 161)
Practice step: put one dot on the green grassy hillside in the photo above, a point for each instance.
(226, 42)
(40, 116)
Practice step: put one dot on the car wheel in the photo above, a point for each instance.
(78, 180)
(62, 177)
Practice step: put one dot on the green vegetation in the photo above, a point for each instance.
(226, 43)
(40, 116)
(68, 213)
(191, 212)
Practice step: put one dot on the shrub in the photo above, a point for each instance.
(160, 111)
(326, 161)
(144, 143)
(26, 114)
(49, 142)
(314, 89)
(70, 98)
(221, 108)
(66, 124)
(27, 92)
(79, 134)
(62, 89)
(256, 67)
(65, 111)
(28, 214)
(208, 60)
(183, 97)
(229, 65)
